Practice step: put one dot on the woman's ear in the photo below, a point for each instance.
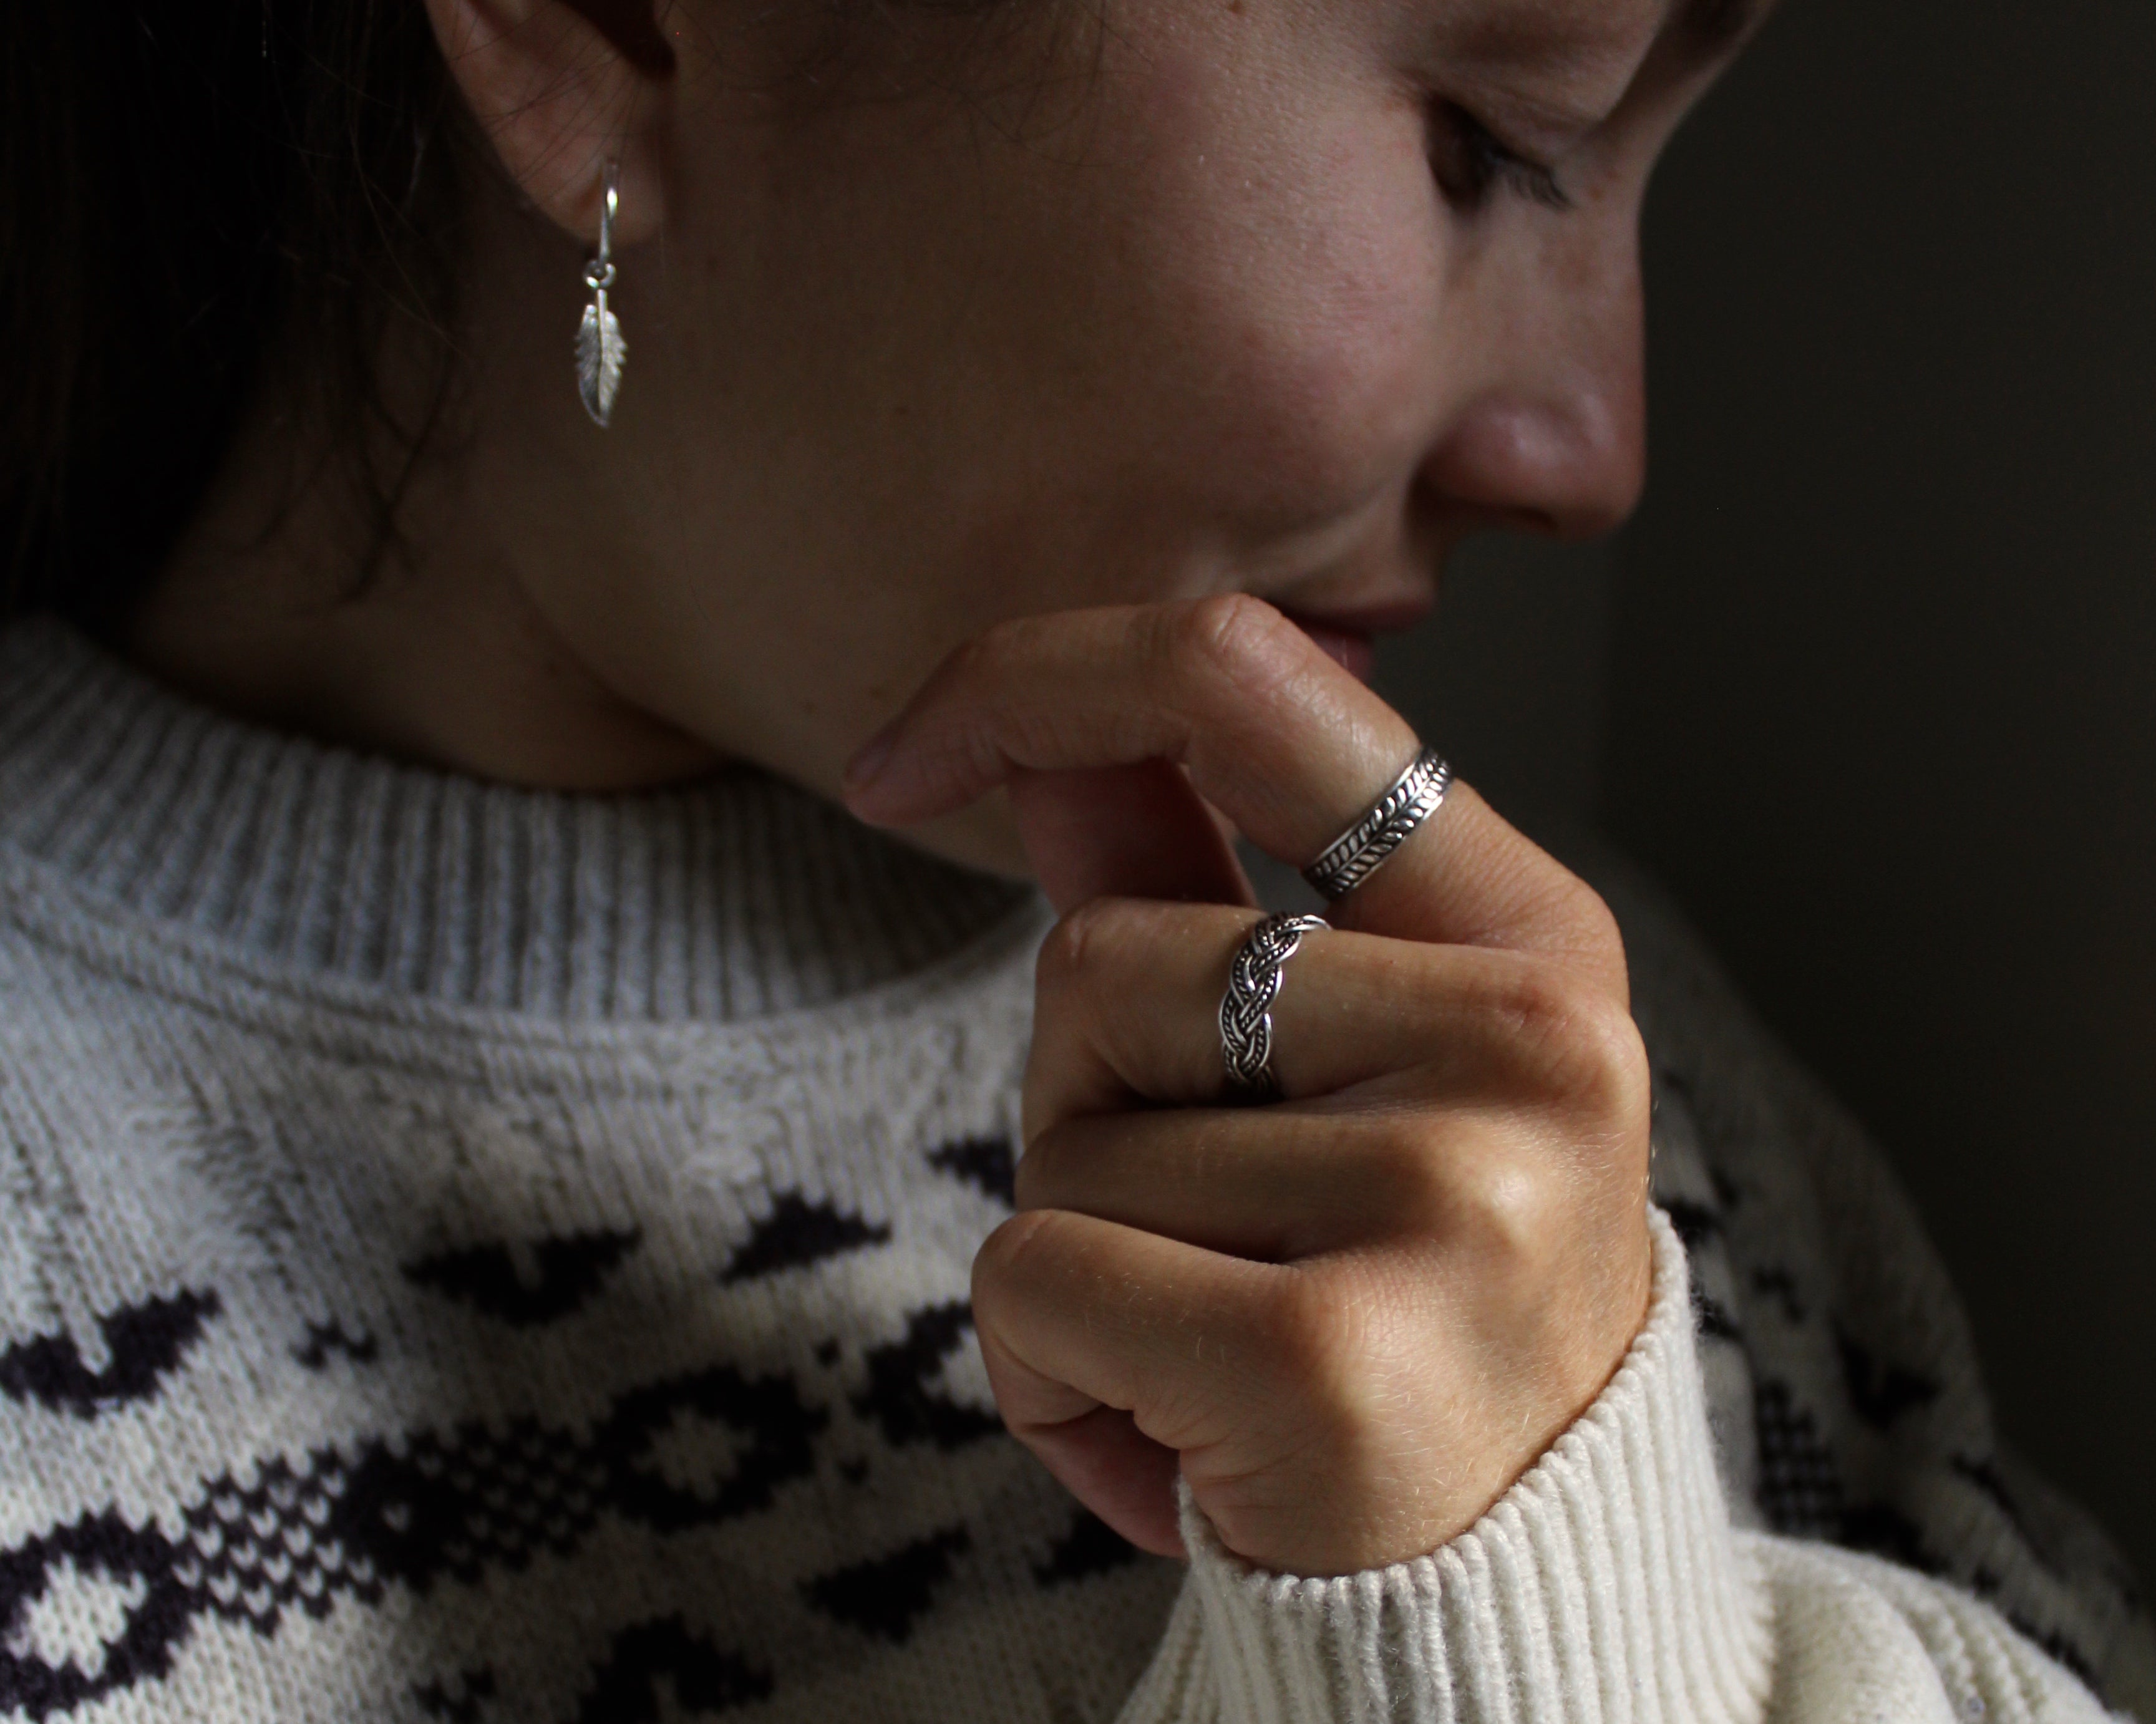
(562, 88)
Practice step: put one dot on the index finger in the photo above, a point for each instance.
(1272, 732)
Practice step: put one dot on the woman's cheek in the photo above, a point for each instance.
(1318, 339)
(1336, 388)
(1334, 416)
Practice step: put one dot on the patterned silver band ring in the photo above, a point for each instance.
(1246, 1019)
(1354, 857)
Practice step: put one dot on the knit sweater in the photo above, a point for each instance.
(472, 1255)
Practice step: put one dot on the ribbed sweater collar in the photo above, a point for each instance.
(736, 898)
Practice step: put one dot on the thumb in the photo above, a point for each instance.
(1137, 831)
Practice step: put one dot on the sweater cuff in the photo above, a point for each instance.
(1604, 1584)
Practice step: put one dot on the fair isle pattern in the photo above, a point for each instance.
(344, 1362)
(480, 1257)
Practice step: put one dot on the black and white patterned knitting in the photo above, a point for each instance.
(474, 1255)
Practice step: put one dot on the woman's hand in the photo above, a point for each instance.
(1353, 1319)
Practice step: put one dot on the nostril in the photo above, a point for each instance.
(1569, 468)
(1449, 516)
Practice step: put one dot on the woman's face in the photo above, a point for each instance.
(1048, 308)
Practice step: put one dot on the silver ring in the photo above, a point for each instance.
(1354, 857)
(1246, 1019)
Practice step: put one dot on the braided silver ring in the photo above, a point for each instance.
(1354, 857)
(1246, 1019)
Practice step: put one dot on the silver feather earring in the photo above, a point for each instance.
(600, 350)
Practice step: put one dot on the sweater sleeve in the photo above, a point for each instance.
(1844, 1385)
(1607, 1583)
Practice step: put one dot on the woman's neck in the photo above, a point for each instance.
(285, 603)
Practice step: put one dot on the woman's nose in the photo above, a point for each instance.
(1554, 439)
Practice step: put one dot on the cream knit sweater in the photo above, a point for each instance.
(474, 1255)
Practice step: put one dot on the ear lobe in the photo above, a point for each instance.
(562, 88)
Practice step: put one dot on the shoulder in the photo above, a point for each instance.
(1860, 1411)
(93, 1089)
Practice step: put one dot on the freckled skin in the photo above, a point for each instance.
(1028, 379)
(1171, 306)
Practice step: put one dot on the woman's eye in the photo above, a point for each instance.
(1469, 162)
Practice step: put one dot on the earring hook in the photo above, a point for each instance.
(599, 276)
(600, 350)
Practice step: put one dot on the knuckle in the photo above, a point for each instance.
(1033, 1177)
(1511, 1215)
(1589, 926)
(1235, 638)
(1080, 944)
(1312, 1331)
(1610, 1082)
(1329, 1338)
(1581, 1047)
(976, 660)
(1000, 1261)
(1596, 923)
(1537, 999)
(1413, 1170)
(1063, 954)
(1100, 1036)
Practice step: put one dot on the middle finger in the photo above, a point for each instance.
(1129, 995)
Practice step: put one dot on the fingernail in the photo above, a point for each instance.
(873, 756)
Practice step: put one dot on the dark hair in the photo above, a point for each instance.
(191, 190)
(183, 182)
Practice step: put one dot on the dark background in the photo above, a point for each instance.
(1868, 682)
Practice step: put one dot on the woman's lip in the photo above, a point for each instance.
(1387, 619)
(1349, 648)
(1345, 636)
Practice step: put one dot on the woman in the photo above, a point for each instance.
(511, 1207)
